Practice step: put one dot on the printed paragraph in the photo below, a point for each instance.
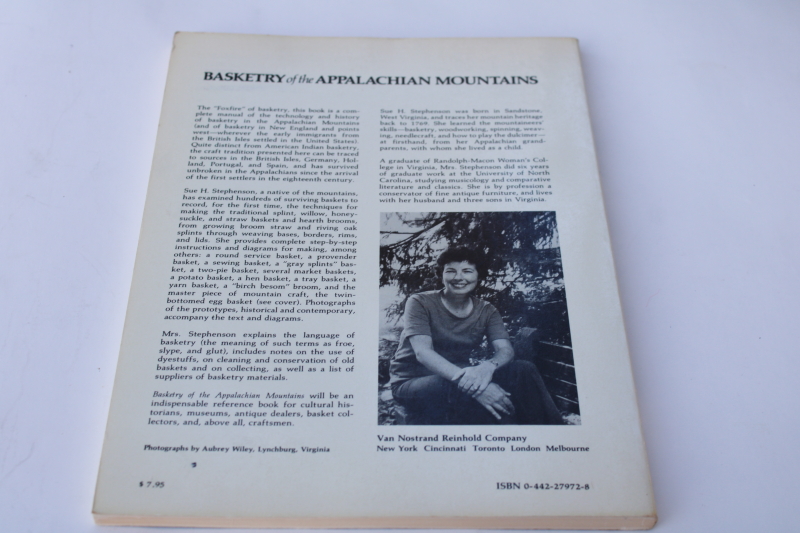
(258, 356)
(238, 143)
(464, 180)
(461, 130)
(246, 409)
(264, 255)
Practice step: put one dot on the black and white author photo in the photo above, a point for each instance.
(473, 304)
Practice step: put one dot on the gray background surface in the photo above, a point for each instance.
(696, 114)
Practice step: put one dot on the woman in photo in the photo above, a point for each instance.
(431, 374)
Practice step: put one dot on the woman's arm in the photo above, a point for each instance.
(477, 378)
(503, 352)
(490, 395)
(430, 359)
(472, 380)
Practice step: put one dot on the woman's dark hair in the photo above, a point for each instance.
(457, 254)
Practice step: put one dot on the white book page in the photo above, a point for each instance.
(252, 374)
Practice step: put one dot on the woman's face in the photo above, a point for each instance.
(460, 278)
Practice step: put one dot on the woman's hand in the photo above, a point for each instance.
(475, 379)
(496, 401)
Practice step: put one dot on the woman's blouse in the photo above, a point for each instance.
(454, 338)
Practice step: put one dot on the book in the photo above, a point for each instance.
(374, 289)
